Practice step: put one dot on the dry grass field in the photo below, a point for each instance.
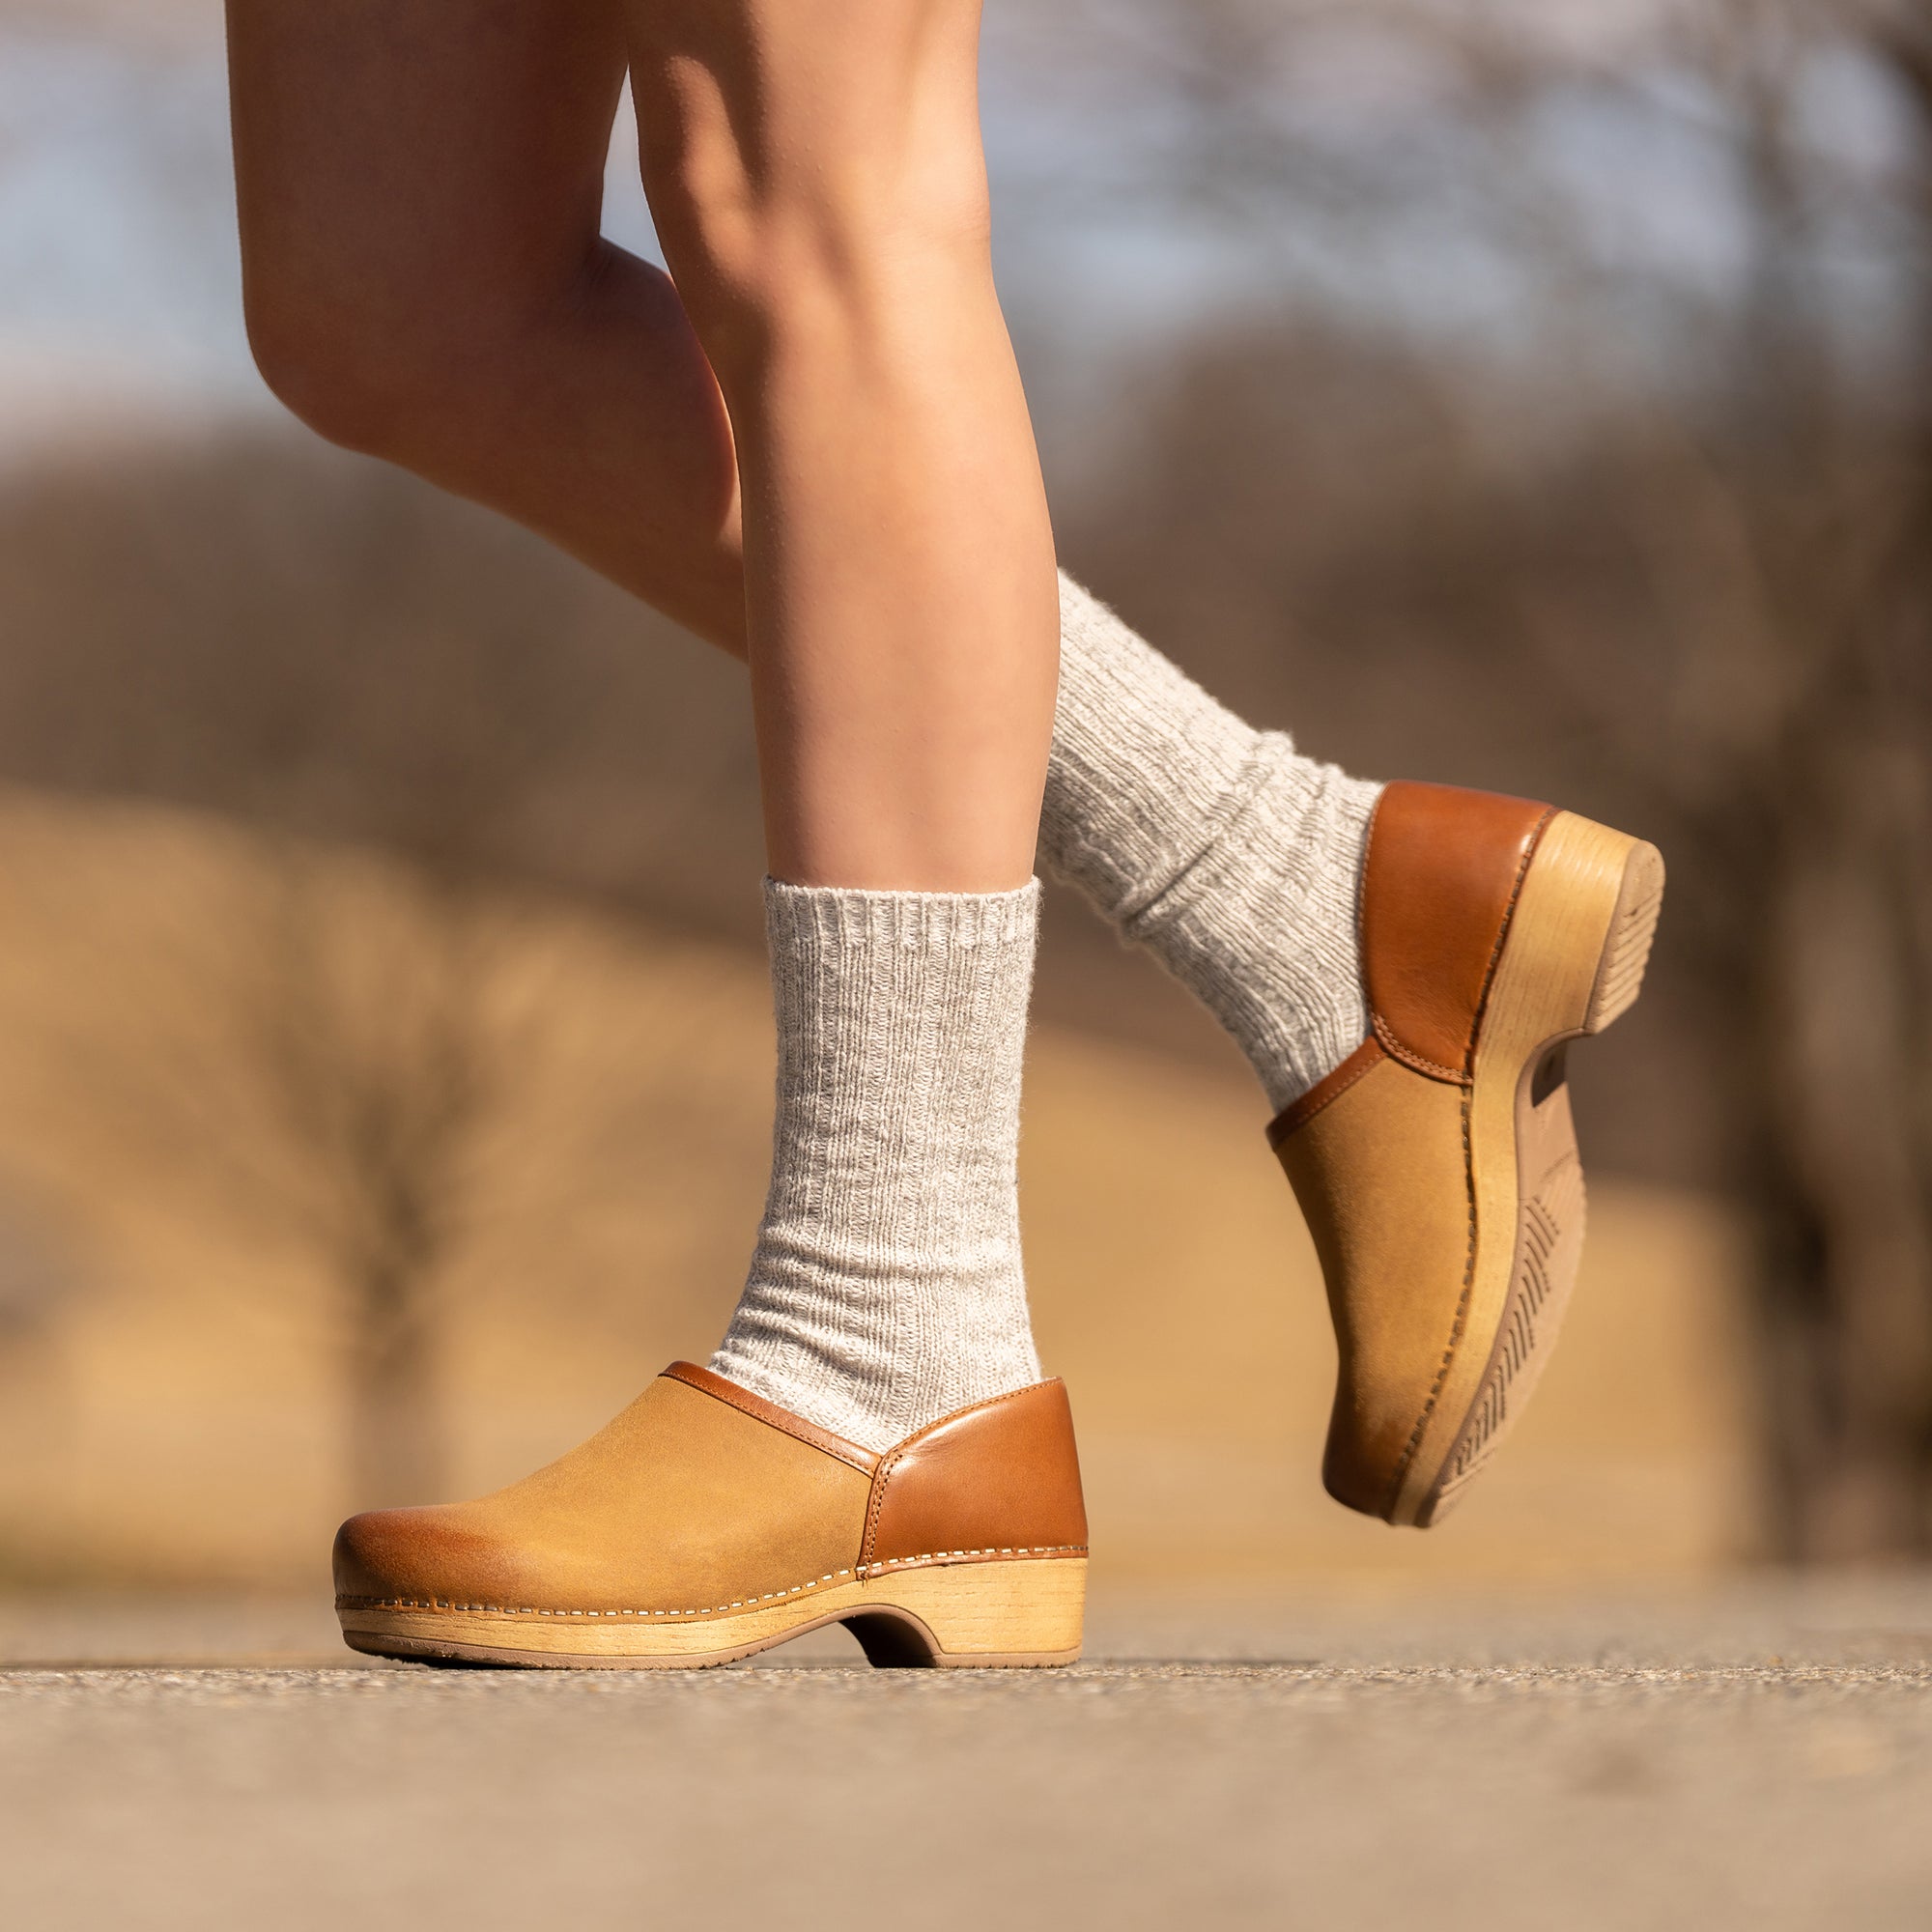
(177, 1412)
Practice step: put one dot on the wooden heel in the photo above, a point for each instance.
(1579, 940)
(1022, 1614)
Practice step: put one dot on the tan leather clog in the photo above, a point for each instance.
(705, 1523)
(1437, 1166)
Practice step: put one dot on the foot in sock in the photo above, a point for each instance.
(1403, 967)
(872, 1443)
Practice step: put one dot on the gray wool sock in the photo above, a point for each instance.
(887, 1288)
(1233, 861)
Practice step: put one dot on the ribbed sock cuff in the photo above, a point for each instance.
(929, 922)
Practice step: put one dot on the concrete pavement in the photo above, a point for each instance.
(1758, 1756)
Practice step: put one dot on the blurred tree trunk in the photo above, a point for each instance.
(379, 1074)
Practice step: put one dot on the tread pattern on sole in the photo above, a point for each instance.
(1548, 1252)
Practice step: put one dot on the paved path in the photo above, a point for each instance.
(1759, 1759)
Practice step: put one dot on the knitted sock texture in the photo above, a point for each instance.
(1233, 860)
(887, 1288)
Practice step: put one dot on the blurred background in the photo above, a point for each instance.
(1530, 394)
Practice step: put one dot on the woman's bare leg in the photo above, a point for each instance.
(816, 171)
(420, 185)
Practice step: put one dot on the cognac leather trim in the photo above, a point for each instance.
(997, 1479)
(1298, 1113)
(1439, 888)
(772, 1416)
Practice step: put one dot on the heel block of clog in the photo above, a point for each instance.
(1021, 1613)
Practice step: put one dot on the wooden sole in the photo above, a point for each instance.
(1012, 1614)
(1573, 961)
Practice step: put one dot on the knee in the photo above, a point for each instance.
(831, 198)
(385, 377)
(327, 372)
